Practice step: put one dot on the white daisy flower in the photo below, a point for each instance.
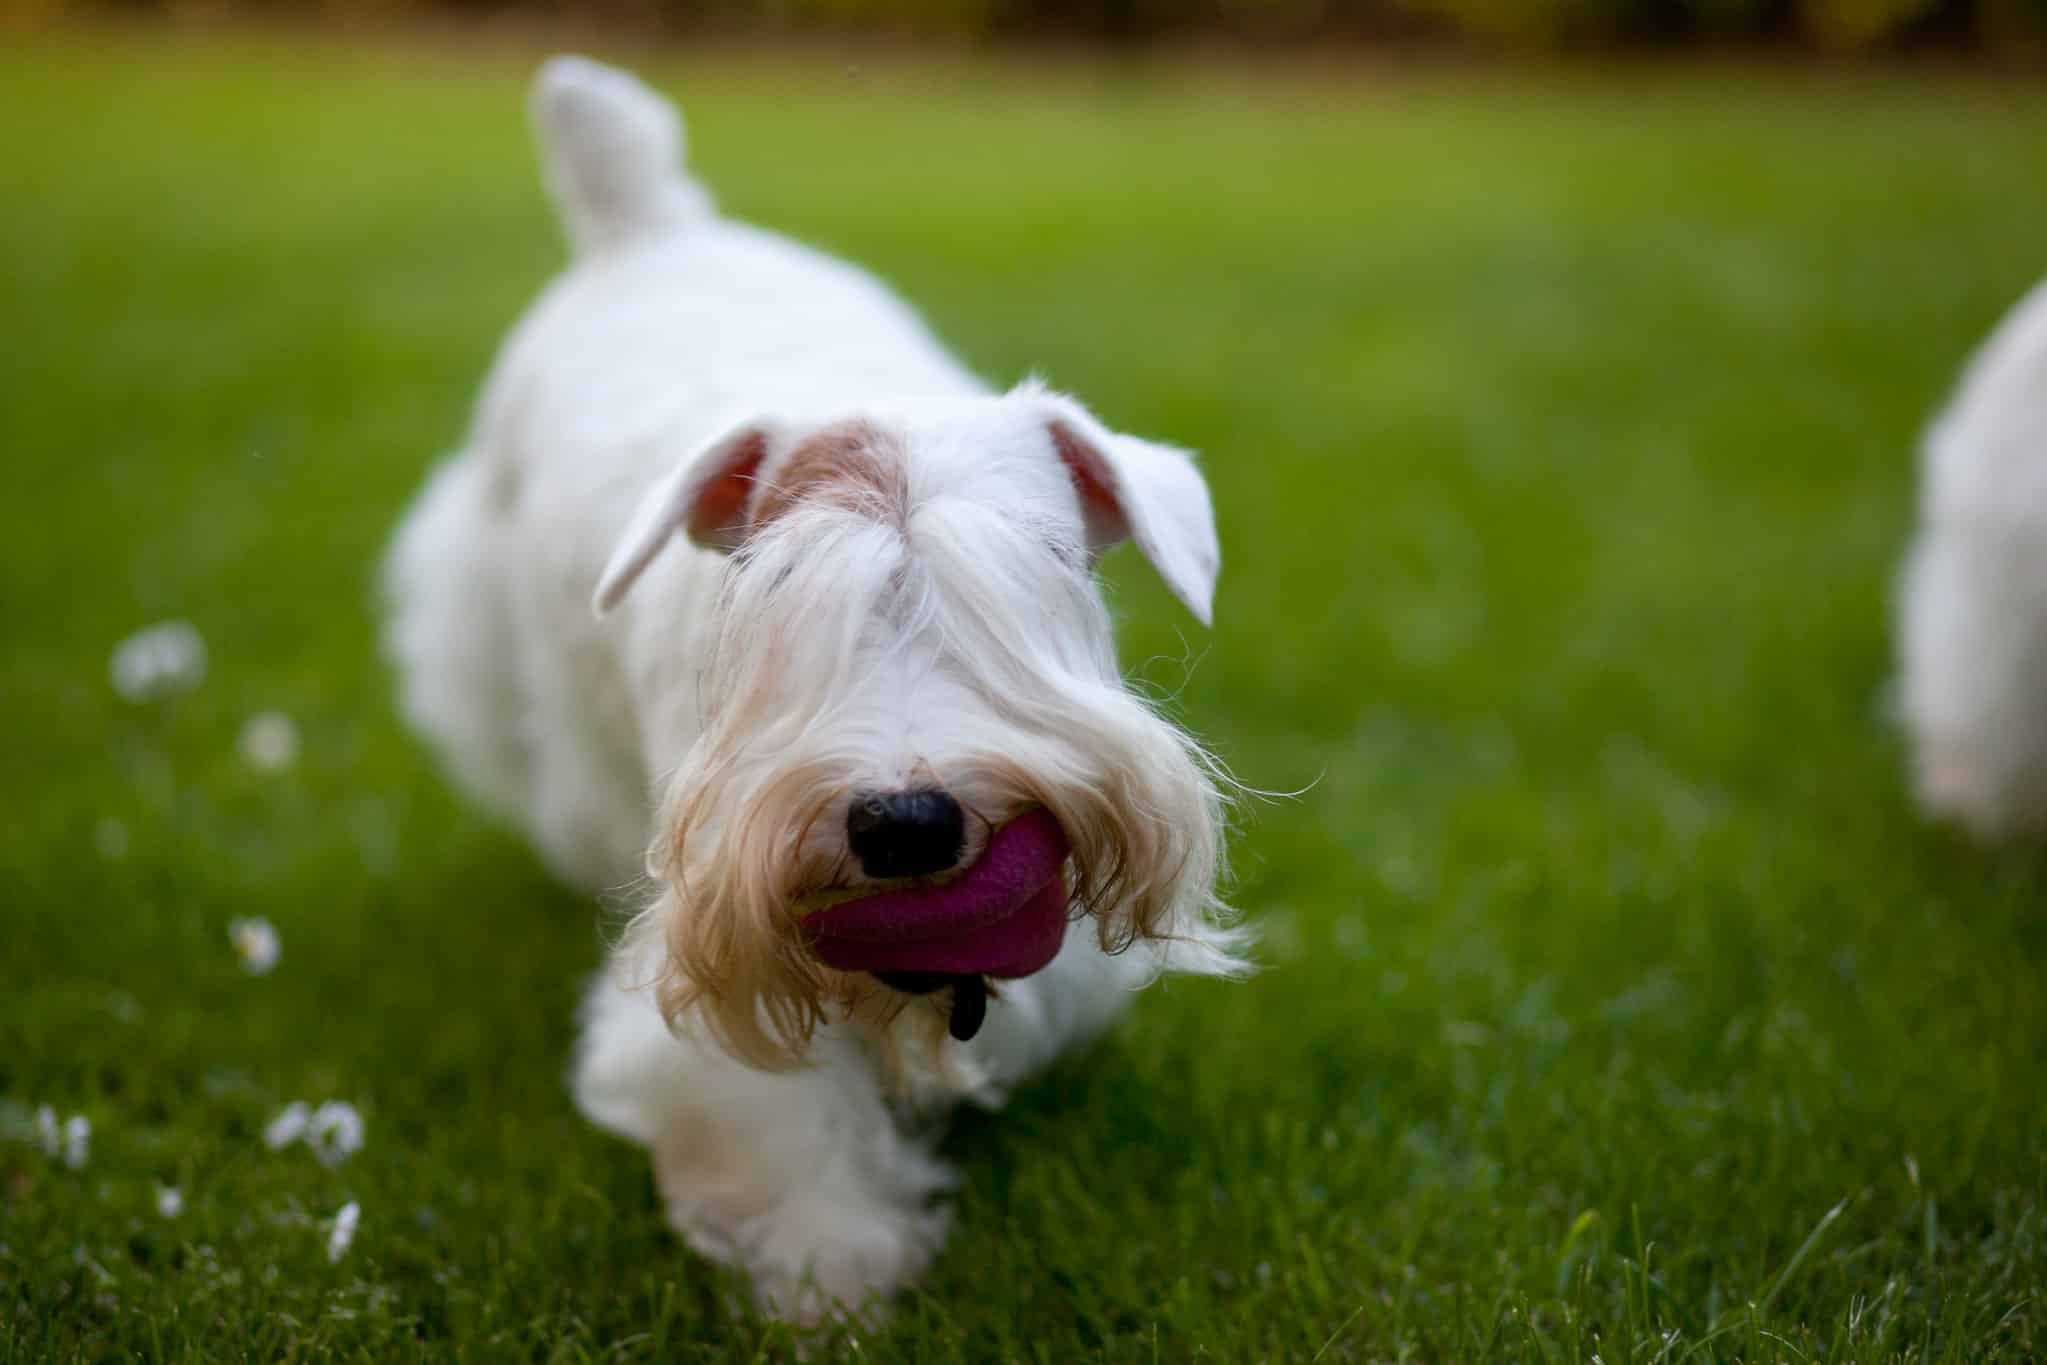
(77, 1141)
(256, 940)
(288, 1127)
(170, 1201)
(335, 1133)
(161, 661)
(48, 1136)
(343, 1231)
(269, 742)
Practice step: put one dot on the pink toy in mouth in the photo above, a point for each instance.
(1005, 917)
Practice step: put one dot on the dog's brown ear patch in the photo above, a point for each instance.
(750, 476)
(853, 463)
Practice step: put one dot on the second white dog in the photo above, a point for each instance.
(849, 697)
(1973, 629)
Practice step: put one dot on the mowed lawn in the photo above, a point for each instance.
(1561, 428)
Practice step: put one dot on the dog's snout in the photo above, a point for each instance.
(907, 833)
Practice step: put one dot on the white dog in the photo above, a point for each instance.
(848, 695)
(1973, 631)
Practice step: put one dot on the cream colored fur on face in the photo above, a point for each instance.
(1973, 627)
(823, 558)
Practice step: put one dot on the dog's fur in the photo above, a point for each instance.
(824, 559)
(1973, 627)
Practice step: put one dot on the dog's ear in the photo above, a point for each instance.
(1138, 490)
(709, 497)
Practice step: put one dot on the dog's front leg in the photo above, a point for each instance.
(803, 1179)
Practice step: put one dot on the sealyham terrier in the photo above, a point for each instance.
(848, 695)
(1973, 626)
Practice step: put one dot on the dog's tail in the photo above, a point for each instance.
(612, 151)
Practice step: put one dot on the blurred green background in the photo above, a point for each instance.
(1560, 418)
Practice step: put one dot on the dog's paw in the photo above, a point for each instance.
(1992, 800)
(813, 1262)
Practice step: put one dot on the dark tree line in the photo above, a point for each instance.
(2005, 25)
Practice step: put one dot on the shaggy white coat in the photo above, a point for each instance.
(761, 650)
(1973, 625)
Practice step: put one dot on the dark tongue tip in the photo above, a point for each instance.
(969, 1006)
(969, 996)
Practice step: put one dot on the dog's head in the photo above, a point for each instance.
(914, 728)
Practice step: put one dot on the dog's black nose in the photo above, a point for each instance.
(906, 834)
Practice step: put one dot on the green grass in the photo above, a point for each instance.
(1561, 428)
